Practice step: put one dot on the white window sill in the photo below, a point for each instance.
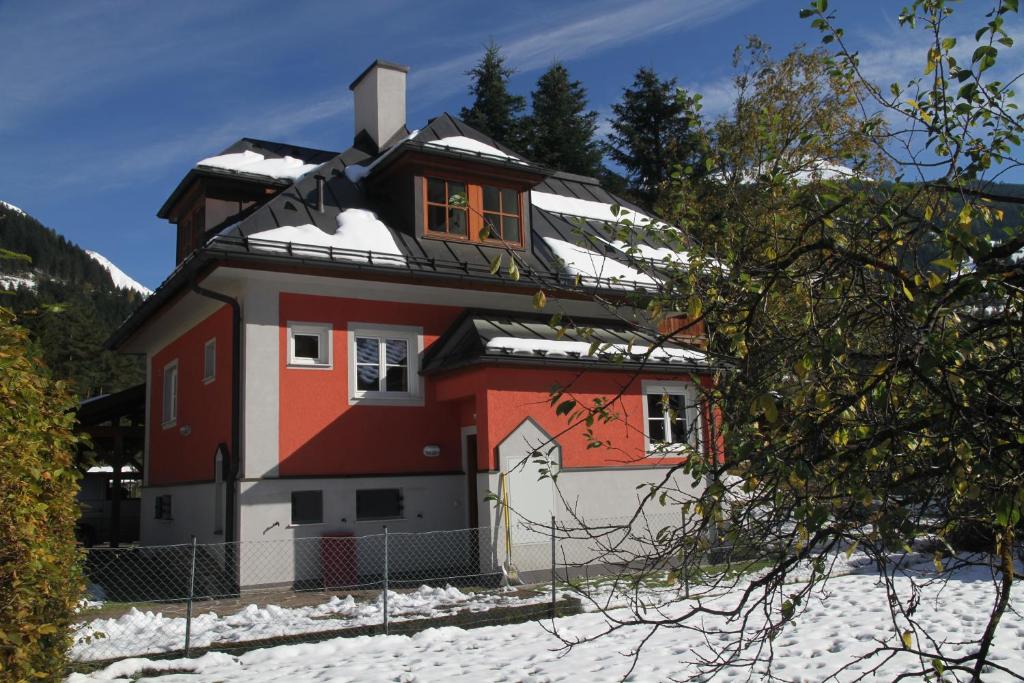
(383, 399)
(209, 380)
(311, 366)
(304, 524)
(169, 424)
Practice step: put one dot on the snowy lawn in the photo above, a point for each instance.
(845, 621)
(149, 631)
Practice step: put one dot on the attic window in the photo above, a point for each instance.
(473, 212)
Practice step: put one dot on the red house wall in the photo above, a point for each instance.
(322, 435)
(204, 408)
(513, 394)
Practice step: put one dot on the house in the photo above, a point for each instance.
(335, 351)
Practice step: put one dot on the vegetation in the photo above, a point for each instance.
(40, 579)
(68, 280)
(495, 111)
(862, 273)
(560, 131)
(655, 129)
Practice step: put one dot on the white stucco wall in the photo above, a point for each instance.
(192, 512)
(276, 552)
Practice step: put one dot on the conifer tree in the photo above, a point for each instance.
(655, 131)
(495, 112)
(560, 130)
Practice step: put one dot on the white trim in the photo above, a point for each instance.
(411, 334)
(208, 378)
(168, 422)
(324, 334)
(695, 426)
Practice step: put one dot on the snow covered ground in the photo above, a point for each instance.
(843, 622)
(146, 632)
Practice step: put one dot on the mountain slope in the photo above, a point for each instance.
(121, 279)
(69, 301)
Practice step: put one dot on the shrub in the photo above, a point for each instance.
(40, 576)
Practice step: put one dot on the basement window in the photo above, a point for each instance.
(309, 345)
(472, 212)
(307, 507)
(162, 507)
(374, 504)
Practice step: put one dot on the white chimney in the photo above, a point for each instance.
(380, 100)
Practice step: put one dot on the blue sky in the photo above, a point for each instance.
(105, 104)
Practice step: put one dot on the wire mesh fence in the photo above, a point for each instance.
(183, 599)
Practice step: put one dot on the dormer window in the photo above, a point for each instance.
(472, 212)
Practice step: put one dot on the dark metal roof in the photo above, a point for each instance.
(482, 337)
(296, 204)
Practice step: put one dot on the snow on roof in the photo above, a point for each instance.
(589, 264)
(564, 348)
(464, 144)
(254, 163)
(360, 236)
(585, 208)
(356, 172)
(120, 278)
(821, 169)
(12, 207)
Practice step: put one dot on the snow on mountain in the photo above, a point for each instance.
(119, 277)
(12, 207)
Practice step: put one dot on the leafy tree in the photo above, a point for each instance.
(655, 132)
(40, 576)
(875, 399)
(495, 111)
(560, 131)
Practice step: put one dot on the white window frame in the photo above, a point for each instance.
(691, 397)
(169, 407)
(210, 373)
(413, 336)
(324, 332)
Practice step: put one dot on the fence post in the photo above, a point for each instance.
(553, 558)
(191, 592)
(386, 627)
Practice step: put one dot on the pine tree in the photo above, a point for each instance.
(655, 130)
(495, 112)
(560, 131)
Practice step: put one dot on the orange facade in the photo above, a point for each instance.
(321, 434)
(184, 451)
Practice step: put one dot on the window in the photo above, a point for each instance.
(378, 504)
(309, 345)
(501, 214)
(169, 401)
(447, 204)
(210, 361)
(163, 507)
(473, 212)
(384, 364)
(307, 507)
(671, 415)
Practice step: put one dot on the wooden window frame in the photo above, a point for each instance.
(474, 210)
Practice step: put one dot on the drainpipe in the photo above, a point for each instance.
(234, 458)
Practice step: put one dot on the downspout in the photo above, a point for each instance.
(234, 458)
